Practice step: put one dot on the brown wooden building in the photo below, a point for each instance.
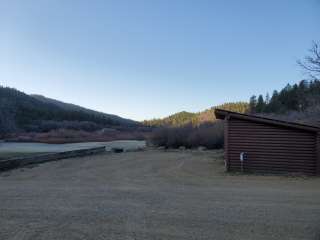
(259, 144)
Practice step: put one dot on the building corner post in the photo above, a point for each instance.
(226, 140)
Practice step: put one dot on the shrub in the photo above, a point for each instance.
(209, 135)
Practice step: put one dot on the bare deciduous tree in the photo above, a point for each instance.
(311, 63)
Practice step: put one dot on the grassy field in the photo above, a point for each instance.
(155, 194)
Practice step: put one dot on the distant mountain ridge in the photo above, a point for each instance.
(184, 118)
(35, 113)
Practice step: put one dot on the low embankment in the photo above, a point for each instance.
(23, 161)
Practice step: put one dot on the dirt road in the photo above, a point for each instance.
(154, 195)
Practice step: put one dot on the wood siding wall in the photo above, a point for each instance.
(269, 148)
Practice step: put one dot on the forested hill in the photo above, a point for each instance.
(303, 97)
(298, 97)
(72, 107)
(184, 118)
(177, 119)
(298, 102)
(22, 112)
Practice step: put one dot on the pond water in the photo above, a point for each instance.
(127, 145)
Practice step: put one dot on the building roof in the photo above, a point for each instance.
(224, 114)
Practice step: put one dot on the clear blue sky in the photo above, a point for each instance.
(144, 59)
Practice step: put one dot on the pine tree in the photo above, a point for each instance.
(267, 99)
(253, 104)
(260, 104)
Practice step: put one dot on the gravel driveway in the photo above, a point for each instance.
(154, 195)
